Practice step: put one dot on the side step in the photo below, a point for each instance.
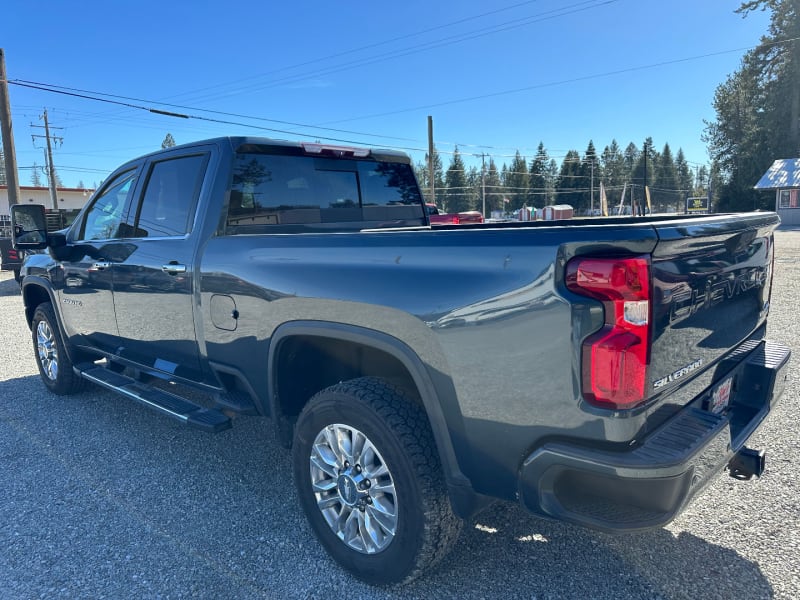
(171, 405)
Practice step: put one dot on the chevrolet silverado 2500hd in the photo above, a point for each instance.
(600, 371)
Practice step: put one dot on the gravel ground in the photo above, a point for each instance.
(102, 498)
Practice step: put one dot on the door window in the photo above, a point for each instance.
(102, 221)
(170, 197)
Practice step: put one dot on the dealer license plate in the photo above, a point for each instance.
(721, 396)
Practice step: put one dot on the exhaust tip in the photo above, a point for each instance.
(746, 463)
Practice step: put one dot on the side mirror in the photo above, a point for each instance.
(28, 227)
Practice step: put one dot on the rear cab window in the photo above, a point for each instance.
(285, 190)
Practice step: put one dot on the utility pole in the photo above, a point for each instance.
(591, 197)
(51, 169)
(8, 135)
(644, 184)
(483, 182)
(430, 160)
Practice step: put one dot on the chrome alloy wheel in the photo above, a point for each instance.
(46, 347)
(354, 488)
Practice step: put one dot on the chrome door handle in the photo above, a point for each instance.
(173, 268)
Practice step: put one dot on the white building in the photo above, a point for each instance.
(784, 177)
(68, 198)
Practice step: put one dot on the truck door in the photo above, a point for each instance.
(85, 288)
(154, 285)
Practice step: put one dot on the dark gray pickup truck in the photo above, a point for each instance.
(597, 371)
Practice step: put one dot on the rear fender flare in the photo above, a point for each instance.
(442, 427)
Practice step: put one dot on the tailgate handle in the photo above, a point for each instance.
(100, 266)
(173, 268)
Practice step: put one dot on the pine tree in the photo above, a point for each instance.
(456, 194)
(701, 181)
(552, 181)
(538, 178)
(589, 178)
(504, 180)
(630, 158)
(569, 179)
(613, 166)
(516, 182)
(685, 180)
(36, 178)
(168, 142)
(757, 111)
(438, 178)
(777, 63)
(494, 189)
(474, 189)
(645, 164)
(665, 182)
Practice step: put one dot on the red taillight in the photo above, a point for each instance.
(614, 360)
(456, 220)
(12, 254)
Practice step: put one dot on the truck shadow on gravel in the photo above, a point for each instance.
(150, 496)
(514, 554)
(9, 287)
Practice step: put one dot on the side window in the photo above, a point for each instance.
(102, 221)
(170, 196)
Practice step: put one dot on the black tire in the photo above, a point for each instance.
(17, 276)
(55, 366)
(398, 438)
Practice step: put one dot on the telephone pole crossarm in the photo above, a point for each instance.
(51, 169)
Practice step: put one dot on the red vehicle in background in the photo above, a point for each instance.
(462, 218)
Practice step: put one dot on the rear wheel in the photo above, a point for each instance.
(55, 367)
(370, 482)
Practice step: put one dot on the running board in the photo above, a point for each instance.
(171, 405)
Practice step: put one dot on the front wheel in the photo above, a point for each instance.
(369, 480)
(55, 367)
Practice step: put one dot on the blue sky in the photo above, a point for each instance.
(496, 77)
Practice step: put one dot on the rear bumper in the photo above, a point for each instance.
(650, 484)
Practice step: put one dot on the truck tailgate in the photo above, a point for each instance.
(711, 291)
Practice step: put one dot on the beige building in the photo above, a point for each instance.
(68, 198)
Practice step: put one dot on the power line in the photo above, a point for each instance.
(126, 101)
(456, 38)
(86, 96)
(557, 83)
(367, 47)
(82, 93)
